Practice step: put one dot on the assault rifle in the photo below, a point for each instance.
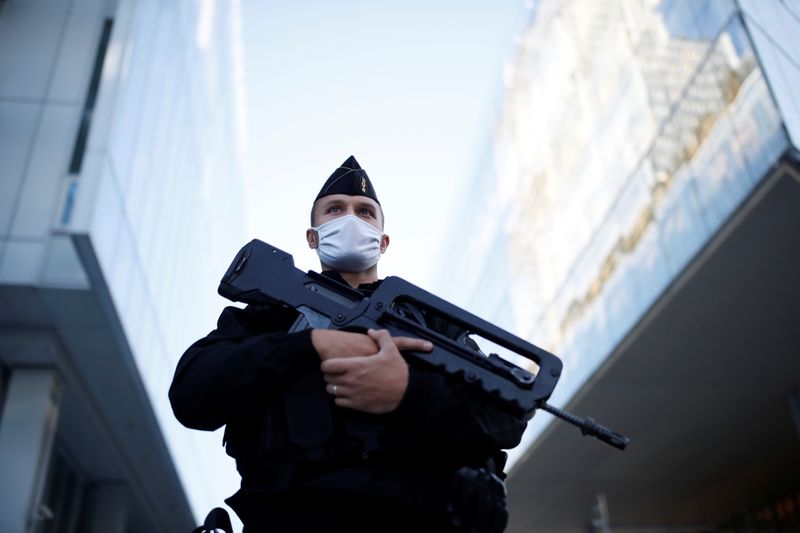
(263, 274)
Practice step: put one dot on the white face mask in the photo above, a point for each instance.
(348, 244)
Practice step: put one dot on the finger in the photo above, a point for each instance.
(336, 379)
(347, 379)
(330, 368)
(341, 391)
(339, 365)
(382, 337)
(345, 402)
(410, 343)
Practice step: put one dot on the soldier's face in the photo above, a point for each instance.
(338, 205)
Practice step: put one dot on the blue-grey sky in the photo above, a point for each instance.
(410, 88)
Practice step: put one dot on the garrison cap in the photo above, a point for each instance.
(350, 179)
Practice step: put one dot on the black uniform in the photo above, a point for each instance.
(307, 464)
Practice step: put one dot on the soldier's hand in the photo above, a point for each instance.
(331, 343)
(373, 383)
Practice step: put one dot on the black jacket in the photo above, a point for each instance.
(242, 375)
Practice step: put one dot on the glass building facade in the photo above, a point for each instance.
(637, 141)
(120, 207)
(632, 173)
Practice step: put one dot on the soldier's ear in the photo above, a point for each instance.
(384, 242)
(312, 238)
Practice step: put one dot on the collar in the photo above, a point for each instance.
(369, 288)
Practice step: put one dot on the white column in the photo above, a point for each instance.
(27, 428)
(109, 509)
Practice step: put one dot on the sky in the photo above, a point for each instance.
(409, 88)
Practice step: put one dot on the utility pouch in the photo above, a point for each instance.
(476, 501)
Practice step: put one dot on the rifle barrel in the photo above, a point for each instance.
(588, 427)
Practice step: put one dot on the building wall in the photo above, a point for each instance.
(150, 210)
(46, 63)
(631, 130)
(162, 202)
(773, 28)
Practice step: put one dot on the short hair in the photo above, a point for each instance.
(314, 206)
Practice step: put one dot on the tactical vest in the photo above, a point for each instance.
(298, 428)
(302, 427)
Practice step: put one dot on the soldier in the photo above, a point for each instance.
(333, 430)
